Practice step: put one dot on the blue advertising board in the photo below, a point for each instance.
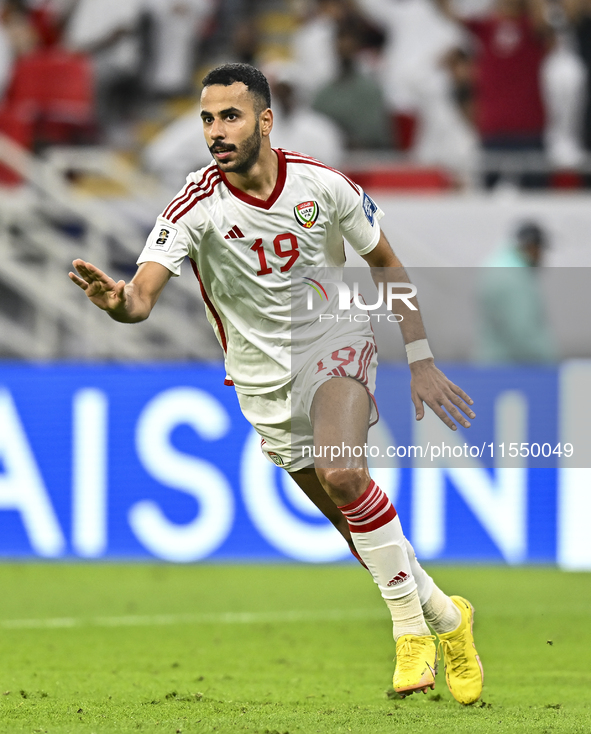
(157, 462)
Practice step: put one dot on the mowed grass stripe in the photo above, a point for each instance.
(327, 615)
(247, 649)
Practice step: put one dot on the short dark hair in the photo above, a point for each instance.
(255, 81)
(531, 233)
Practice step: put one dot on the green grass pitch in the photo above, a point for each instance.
(282, 648)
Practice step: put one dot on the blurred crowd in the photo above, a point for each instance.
(442, 81)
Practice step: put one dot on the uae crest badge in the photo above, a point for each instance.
(306, 213)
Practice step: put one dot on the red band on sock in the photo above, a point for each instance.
(371, 511)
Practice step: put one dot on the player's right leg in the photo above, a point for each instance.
(340, 417)
(450, 617)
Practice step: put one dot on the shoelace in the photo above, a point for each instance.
(454, 652)
(411, 652)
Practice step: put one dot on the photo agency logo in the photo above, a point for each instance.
(388, 294)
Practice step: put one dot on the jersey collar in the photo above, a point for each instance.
(252, 200)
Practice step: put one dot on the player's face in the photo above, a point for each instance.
(231, 126)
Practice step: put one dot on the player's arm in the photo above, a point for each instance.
(124, 302)
(386, 267)
(428, 384)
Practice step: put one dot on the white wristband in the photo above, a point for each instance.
(418, 350)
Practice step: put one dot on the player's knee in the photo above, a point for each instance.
(344, 485)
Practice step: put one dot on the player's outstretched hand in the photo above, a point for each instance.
(102, 290)
(428, 384)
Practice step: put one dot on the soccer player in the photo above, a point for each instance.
(245, 221)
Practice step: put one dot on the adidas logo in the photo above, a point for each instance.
(234, 234)
(398, 579)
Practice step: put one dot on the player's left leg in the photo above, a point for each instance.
(308, 482)
(340, 419)
(452, 618)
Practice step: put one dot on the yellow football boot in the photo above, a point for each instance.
(463, 669)
(416, 664)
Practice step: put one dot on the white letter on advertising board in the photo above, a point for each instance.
(21, 484)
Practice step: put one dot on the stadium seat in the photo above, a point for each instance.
(54, 89)
(404, 128)
(566, 180)
(403, 178)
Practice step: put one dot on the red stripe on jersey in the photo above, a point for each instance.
(238, 231)
(295, 154)
(203, 195)
(196, 190)
(228, 382)
(279, 184)
(210, 306)
(190, 191)
(186, 192)
(300, 158)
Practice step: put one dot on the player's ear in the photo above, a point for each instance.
(266, 122)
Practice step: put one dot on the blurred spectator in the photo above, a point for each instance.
(177, 150)
(108, 30)
(314, 47)
(50, 96)
(445, 133)
(512, 42)
(176, 27)
(579, 13)
(513, 327)
(461, 68)
(296, 126)
(245, 41)
(18, 25)
(45, 16)
(418, 37)
(6, 57)
(564, 86)
(353, 100)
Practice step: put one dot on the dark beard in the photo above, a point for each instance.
(248, 153)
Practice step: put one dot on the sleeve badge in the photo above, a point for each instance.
(369, 208)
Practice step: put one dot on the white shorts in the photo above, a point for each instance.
(282, 417)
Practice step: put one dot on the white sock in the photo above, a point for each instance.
(425, 583)
(441, 613)
(439, 610)
(379, 540)
(407, 615)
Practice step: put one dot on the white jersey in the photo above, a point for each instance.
(245, 252)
